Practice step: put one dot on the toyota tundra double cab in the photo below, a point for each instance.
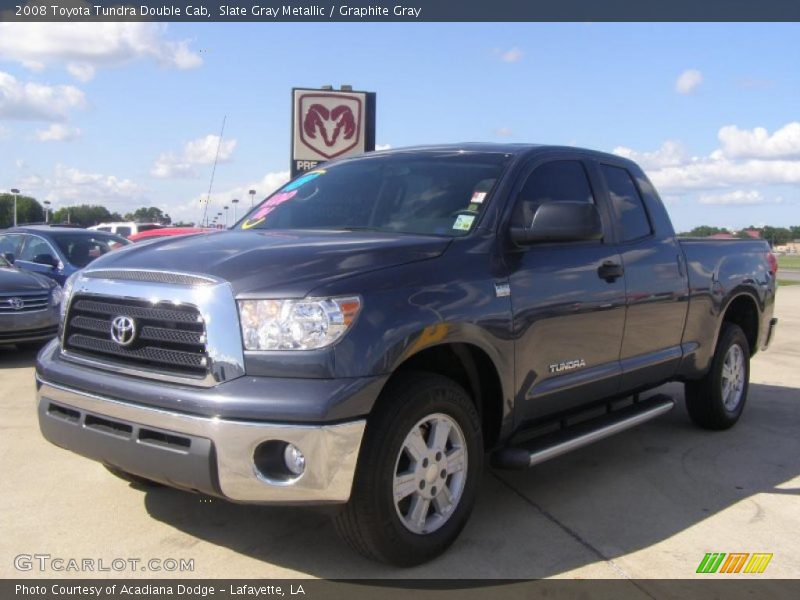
(372, 332)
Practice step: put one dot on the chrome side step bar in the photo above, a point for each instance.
(560, 442)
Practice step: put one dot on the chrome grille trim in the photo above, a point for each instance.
(215, 305)
(169, 277)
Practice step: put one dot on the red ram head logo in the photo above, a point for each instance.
(331, 124)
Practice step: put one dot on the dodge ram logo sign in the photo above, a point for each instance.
(123, 330)
(330, 132)
(330, 124)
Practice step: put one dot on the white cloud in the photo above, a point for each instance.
(84, 47)
(504, 132)
(709, 173)
(758, 143)
(35, 101)
(379, 147)
(671, 153)
(510, 55)
(57, 133)
(201, 151)
(688, 81)
(81, 71)
(747, 157)
(738, 198)
(73, 184)
(68, 185)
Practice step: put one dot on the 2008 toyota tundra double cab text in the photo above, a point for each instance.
(368, 332)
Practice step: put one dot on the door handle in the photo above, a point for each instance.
(610, 271)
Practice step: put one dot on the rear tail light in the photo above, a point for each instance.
(773, 263)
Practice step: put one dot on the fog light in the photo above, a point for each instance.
(294, 459)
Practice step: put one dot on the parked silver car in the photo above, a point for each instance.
(29, 306)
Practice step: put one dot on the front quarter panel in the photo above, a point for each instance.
(447, 300)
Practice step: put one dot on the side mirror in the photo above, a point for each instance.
(561, 222)
(9, 256)
(45, 259)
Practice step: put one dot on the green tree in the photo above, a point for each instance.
(705, 231)
(776, 236)
(149, 214)
(84, 215)
(28, 210)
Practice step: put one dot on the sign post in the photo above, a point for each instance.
(328, 124)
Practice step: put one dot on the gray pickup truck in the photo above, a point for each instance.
(366, 334)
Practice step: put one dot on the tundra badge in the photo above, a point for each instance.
(567, 365)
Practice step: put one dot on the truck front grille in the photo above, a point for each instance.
(168, 337)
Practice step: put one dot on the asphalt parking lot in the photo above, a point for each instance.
(648, 503)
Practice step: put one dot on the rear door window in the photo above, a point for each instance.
(627, 204)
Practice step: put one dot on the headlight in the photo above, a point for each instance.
(56, 294)
(296, 324)
(66, 293)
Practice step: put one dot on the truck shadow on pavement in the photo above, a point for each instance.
(604, 501)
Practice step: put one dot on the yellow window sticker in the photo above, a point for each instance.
(463, 222)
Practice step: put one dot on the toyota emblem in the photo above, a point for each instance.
(123, 330)
(16, 303)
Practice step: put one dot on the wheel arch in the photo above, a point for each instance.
(471, 366)
(742, 309)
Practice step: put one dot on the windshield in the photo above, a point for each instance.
(81, 249)
(431, 193)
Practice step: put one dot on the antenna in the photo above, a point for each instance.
(213, 171)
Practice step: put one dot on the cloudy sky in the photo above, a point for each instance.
(129, 114)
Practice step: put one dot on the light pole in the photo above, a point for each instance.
(226, 216)
(252, 197)
(46, 211)
(15, 191)
(235, 201)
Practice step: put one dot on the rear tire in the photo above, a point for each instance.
(716, 402)
(431, 417)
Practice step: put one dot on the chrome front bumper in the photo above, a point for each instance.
(213, 455)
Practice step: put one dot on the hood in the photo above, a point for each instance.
(279, 263)
(13, 280)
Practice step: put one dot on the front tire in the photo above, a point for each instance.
(716, 402)
(417, 473)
